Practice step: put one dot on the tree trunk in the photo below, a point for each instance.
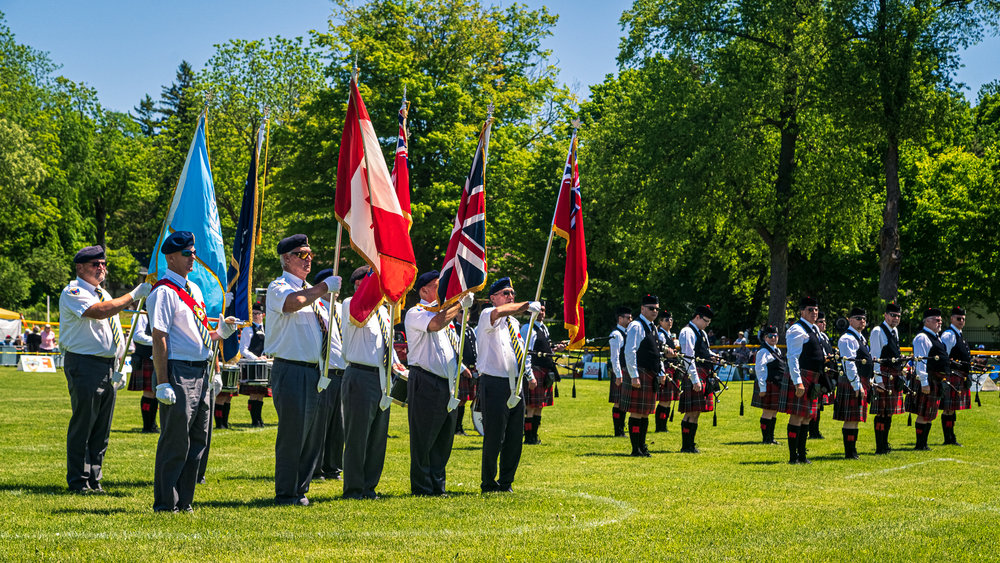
(779, 283)
(890, 254)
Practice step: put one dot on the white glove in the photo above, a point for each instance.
(333, 284)
(227, 299)
(140, 291)
(467, 301)
(535, 308)
(323, 383)
(216, 385)
(165, 394)
(227, 327)
(119, 380)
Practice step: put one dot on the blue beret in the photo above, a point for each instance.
(88, 253)
(500, 285)
(426, 278)
(322, 275)
(177, 241)
(289, 244)
(359, 273)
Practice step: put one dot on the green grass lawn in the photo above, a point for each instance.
(577, 496)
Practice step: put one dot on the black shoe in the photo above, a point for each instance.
(202, 481)
(506, 488)
(460, 432)
(187, 509)
(773, 443)
(922, 449)
(352, 497)
(816, 436)
(493, 487)
(805, 461)
(318, 477)
(793, 461)
(153, 430)
(96, 489)
(80, 490)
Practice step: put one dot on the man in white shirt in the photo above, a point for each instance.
(502, 353)
(91, 336)
(433, 360)
(930, 364)
(670, 390)
(851, 403)
(806, 358)
(696, 397)
(887, 398)
(367, 349)
(330, 416)
(616, 367)
(769, 370)
(295, 336)
(182, 346)
(956, 395)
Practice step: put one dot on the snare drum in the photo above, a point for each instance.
(230, 378)
(398, 391)
(477, 416)
(256, 372)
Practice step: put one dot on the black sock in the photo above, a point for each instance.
(147, 406)
(763, 430)
(459, 417)
(803, 435)
(538, 422)
(225, 414)
(633, 433)
(792, 433)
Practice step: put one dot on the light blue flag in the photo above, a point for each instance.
(193, 209)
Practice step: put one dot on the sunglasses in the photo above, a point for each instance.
(812, 309)
(652, 307)
(99, 264)
(894, 315)
(508, 292)
(859, 318)
(188, 253)
(305, 255)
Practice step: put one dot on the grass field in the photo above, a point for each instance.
(577, 496)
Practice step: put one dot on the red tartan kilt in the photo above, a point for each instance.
(770, 400)
(887, 403)
(696, 401)
(466, 388)
(925, 406)
(539, 396)
(803, 406)
(254, 390)
(142, 377)
(615, 393)
(955, 397)
(850, 406)
(668, 391)
(641, 400)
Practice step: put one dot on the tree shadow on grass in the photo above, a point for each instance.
(747, 443)
(92, 511)
(604, 454)
(468, 448)
(33, 489)
(249, 477)
(136, 430)
(768, 462)
(594, 436)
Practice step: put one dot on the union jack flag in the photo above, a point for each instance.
(464, 268)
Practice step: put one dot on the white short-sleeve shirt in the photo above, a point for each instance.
(167, 313)
(296, 336)
(432, 351)
(83, 335)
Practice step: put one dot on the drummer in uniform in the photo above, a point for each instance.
(696, 394)
(544, 369)
(182, 343)
(887, 398)
(769, 369)
(433, 360)
(851, 404)
(956, 394)
(617, 370)
(295, 337)
(143, 378)
(828, 397)
(91, 336)
(806, 358)
(931, 364)
(252, 340)
(670, 390)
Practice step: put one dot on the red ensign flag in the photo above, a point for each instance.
(568, 223)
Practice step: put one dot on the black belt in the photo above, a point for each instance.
(197, 364)
(96, 358)
(314, 365)
(364, 367)
(419, 369)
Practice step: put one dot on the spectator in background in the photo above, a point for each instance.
(48, 340)
(33, 341)
(8, 340)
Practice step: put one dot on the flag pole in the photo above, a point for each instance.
(516, 393)
(453, 402)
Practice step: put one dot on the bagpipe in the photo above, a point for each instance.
(715, 385)
(826, 381)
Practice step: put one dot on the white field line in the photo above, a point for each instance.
(902, 467)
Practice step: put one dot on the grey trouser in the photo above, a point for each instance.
(432, 431)
(330, 423)
(366, 428)
(297, 447)
(184, 429)
(503, 429)
(92, 396)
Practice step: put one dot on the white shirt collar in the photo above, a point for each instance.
(86, 285)
(929, 331)
(426, 303)
(955, 328)
(807, 323)
(175, 277)
(860, 336)
(292, 279)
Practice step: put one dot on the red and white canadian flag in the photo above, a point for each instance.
(367, 205)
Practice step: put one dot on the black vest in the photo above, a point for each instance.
(142, 352)
(621, 357)
(648, 355)
(812, 357)
(777, 367)
(469, 352)
(891, 348)
(960, 352)
(701, 348)
(256, 346)
(866, 368)
(543, 345)
(942, 363)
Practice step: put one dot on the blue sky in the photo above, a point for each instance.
(128, 48)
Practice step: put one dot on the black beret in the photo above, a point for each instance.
(544, 302)
(289, 244)
(664, 314)
(258, 307)
(322, 275)
(808, 302)
(500, 285)
(768, 330)
(858, 312)
(88, 253)
(623, 310)
(958, 311)
(821, 316)
(650, 299)
(704, 311)
(932, 312)
(892, 308)
(425, 278)
(177, 241)
(359, 273)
